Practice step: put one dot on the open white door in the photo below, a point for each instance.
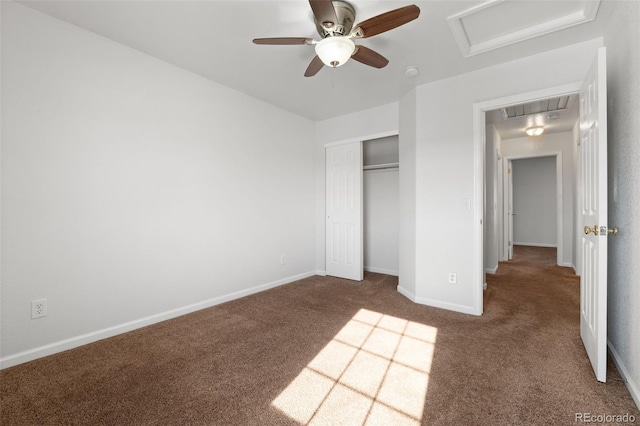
(344, 257)
(509, 210)
(593, 149)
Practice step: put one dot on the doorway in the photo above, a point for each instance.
(592, 198)
(535, 207)
(548, 165)
(535, 204)
(484, 151)
(381, 204)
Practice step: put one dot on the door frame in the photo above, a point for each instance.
(479, 132)
(559, 198)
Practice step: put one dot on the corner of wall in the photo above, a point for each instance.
(407, 197)
(632, 386)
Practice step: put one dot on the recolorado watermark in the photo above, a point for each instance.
(604, 418)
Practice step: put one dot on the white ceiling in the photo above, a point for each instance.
(213, 39)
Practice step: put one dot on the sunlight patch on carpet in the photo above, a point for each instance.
(374, 371)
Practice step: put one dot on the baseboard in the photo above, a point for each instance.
(437, 303)
(632, 386)
(381, 271)
(491, 270)
(568, 265)
(406, 293)
(74, 342)
(321, 273)
(536, 245)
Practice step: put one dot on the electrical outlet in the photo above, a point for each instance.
(452, 278)
(283, 260)
(38, 308)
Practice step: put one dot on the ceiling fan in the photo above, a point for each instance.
(334, 22)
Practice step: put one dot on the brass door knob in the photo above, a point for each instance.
(593, 229)
(603, 230)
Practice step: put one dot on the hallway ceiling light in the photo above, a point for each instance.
(534, 131)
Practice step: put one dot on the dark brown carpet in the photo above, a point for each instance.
(331, 351)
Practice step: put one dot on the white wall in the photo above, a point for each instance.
(545, 145)
(134, 191)
(445, 179)
(372, 123)
(408, 124)
(534, 202)
(622, 38)
(381, 221)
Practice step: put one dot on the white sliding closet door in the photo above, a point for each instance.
(344, 252)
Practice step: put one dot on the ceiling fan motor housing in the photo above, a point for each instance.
(346, 17)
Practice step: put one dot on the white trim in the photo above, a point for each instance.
(406, 293)
(321, 273)
(491, 271)
(499, 199)
(363, 138)
(632, 386)
(469, 48)
(382, 271)
(479, 131)
(478, 208)
(536, 245)
(437, 303)
(535, 95)
(74, 342)
(504, 220)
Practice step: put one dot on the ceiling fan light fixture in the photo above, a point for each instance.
(534, 131)
(335, 51)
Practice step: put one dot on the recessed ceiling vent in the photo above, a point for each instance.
(537, 107)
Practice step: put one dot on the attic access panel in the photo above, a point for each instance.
(499, 23)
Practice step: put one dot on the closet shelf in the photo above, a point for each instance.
(382, 166)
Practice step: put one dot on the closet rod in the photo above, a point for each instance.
(381, 166)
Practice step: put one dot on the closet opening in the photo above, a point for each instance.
(381, 205)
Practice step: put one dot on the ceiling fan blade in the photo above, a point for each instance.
(283, 40)
(313, 68)
(369, 57)
(388, 21)
(324, 11)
